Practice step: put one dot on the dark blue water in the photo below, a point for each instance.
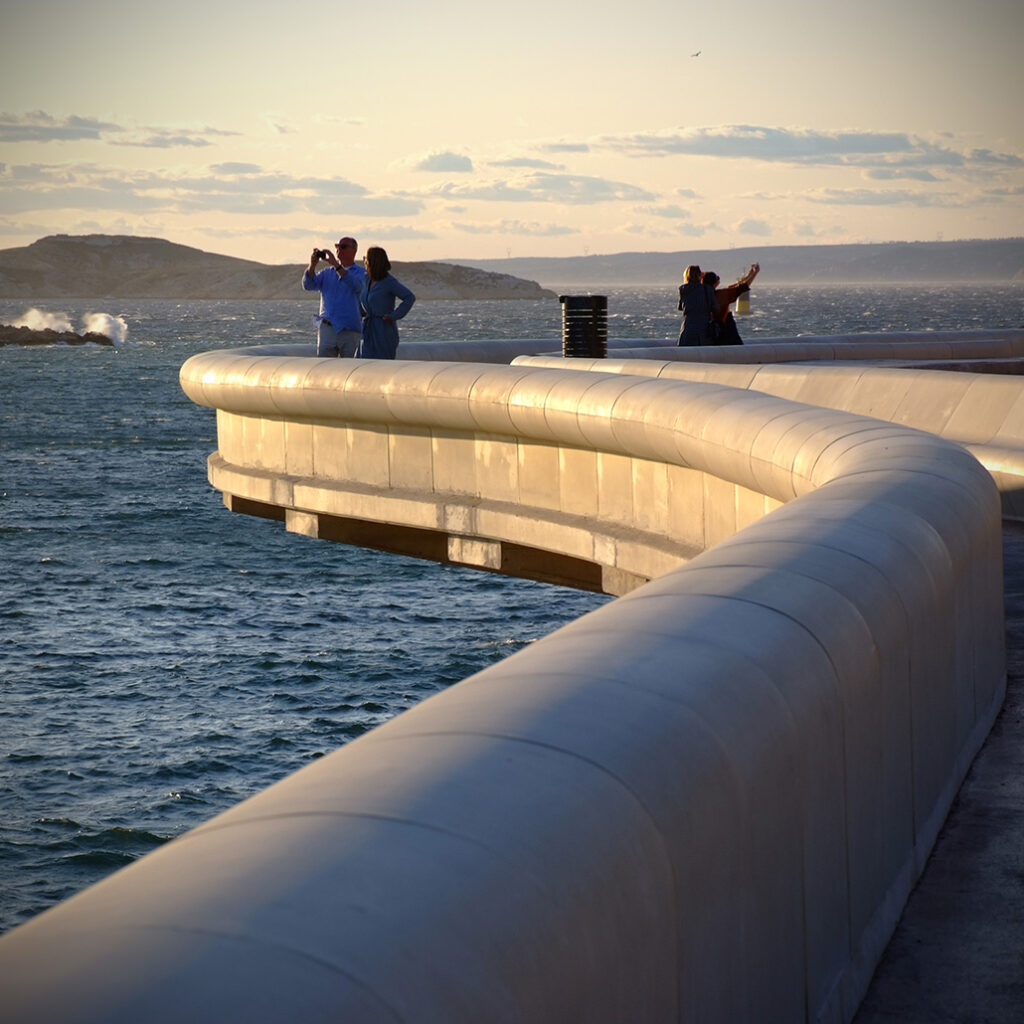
(161, 658)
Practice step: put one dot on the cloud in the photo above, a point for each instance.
(365, 206)
(21, 228)
(986, 156)
(57, 173)
(241, 179)
(906, 197)
(38, 126)
(895, 173)
(41, 127)
(357, 122)
(521, 228)
(164, 141)
(669, 210)
(855, 148)
(395, 232)
(751, 226)
(264, 233)
(304, 237)
(445, 163)
(696, 230)
(685, 229)
(525, 161)
(235, 168)
(564, 147)
(542, 187)
(167, 138)
(279, 123)
(22, 200)
(238, 188)
(884, 197)
(67, 187)
(755, 142)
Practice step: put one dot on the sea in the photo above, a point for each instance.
(161, 658)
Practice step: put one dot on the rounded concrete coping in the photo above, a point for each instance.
(729, 432)
(706, 800)
(981, 411)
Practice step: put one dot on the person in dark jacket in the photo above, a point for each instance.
(698, 305)
(728, 334)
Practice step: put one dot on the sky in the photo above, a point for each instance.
(559, 128)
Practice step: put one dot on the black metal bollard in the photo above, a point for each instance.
(584, 326)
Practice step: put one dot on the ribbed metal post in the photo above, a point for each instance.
(584, 326)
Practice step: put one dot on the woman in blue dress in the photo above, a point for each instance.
(377, 299)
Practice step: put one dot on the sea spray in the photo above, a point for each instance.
(36, 320)
(113, 327)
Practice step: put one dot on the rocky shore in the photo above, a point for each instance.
(26, 336)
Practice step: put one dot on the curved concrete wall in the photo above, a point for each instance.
(707, 800)
(983, 412)
(893, 345)
(469, 454)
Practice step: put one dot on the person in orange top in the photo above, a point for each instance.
(728, 332)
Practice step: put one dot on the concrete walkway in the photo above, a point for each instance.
(958, 952)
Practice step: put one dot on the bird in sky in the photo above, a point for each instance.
(697, 54)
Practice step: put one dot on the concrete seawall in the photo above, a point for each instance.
(707, 800)
(982, 412)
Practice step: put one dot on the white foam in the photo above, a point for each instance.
(114, 327)
(36, 320)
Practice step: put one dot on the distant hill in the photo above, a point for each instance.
(122, 266)
(996, 261)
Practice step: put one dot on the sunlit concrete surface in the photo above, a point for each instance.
(984, 412)
(707, 800)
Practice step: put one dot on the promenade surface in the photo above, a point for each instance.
(958, 952)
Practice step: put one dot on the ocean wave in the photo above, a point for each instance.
(113, 327)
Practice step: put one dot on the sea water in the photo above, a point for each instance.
(162, 659)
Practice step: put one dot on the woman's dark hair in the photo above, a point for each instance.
(711, 278)
(378, 266)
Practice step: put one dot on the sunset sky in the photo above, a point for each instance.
(461, 129)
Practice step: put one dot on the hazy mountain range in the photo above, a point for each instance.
(121, 266)
(96, 266)
(997, 261)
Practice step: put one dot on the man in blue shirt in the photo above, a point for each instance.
(339, 285)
